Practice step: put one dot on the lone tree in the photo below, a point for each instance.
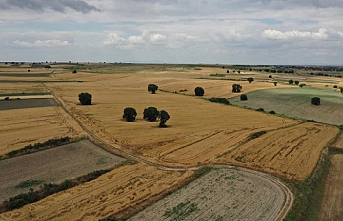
(296, 82)
(244, 97)
(236, 88)
(275, 83)
(250, 79)
(164, 116)
(290, 81)
(315, 101)
(270, 76)
(130, 114)
(199, 91)
(150, 114)
(152, 88)
(85, 98)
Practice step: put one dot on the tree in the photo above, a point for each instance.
(199, 91)
(296, 82)
(227, 71)
(341, 89)
(315, 101)
(236, 88)
(270, 76)
(85, 98)
(244, 97)
(275, 83)
(150, 114)
(74, 71)
(130, 114)
(290, 81)
(164, 116)
(152, 88)
(250, 80)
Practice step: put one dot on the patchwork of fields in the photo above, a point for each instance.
(199, 133)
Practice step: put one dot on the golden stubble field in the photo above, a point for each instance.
(199, 132)
(21, 127)
(124, 188)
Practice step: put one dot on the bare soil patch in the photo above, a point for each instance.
(26, 103)
(53, 165)
(123, 188)
(332, 204)
(222, 194)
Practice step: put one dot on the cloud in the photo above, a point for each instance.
(43, 5)
(145, 38)
(39, 43)
(295, 34)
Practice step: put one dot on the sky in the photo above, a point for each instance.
(247, 32)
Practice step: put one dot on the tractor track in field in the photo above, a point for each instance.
(116, 149)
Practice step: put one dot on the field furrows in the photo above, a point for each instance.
(111, 193)
(222, 194)
(290, 152)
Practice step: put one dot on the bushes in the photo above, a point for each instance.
(37, 146)
(220, 100)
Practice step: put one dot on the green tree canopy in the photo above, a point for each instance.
(315, 101)
(236, 88)
(250, 79)
(152, 88)
(85, 98)
(150, 114)
(130, 114)
(164, 116)
(199, 91)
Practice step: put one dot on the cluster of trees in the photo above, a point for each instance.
(150, 114)
(295, 82)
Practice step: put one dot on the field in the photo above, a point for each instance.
(125, 188)
(296, 102)
(199, 133)
(332, 203)
(291, 152)
(222, 194)
(28, 103)
(53, 166)
(21, 127)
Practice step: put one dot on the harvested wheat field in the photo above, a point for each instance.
(290, 153)
(21, 127)
(222, 194)
(198, 130)
(22, 88)
(52, 166)
(127, 187)
(339, 141)
(332, 204)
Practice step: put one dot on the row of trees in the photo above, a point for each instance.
(150, 114)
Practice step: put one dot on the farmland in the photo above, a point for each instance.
(296, 102)
(123, 188)
(53, 166)
(199, 133)
(222, 194)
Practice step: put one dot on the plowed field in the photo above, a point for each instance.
(123, 188)
(223, 194)
(21, 127)
(291, 152)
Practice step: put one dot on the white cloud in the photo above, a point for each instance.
(295, 34)
(157, 38)
(39, 43)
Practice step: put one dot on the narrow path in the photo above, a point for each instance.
(116, 149)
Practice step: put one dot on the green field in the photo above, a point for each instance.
(296, 102)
